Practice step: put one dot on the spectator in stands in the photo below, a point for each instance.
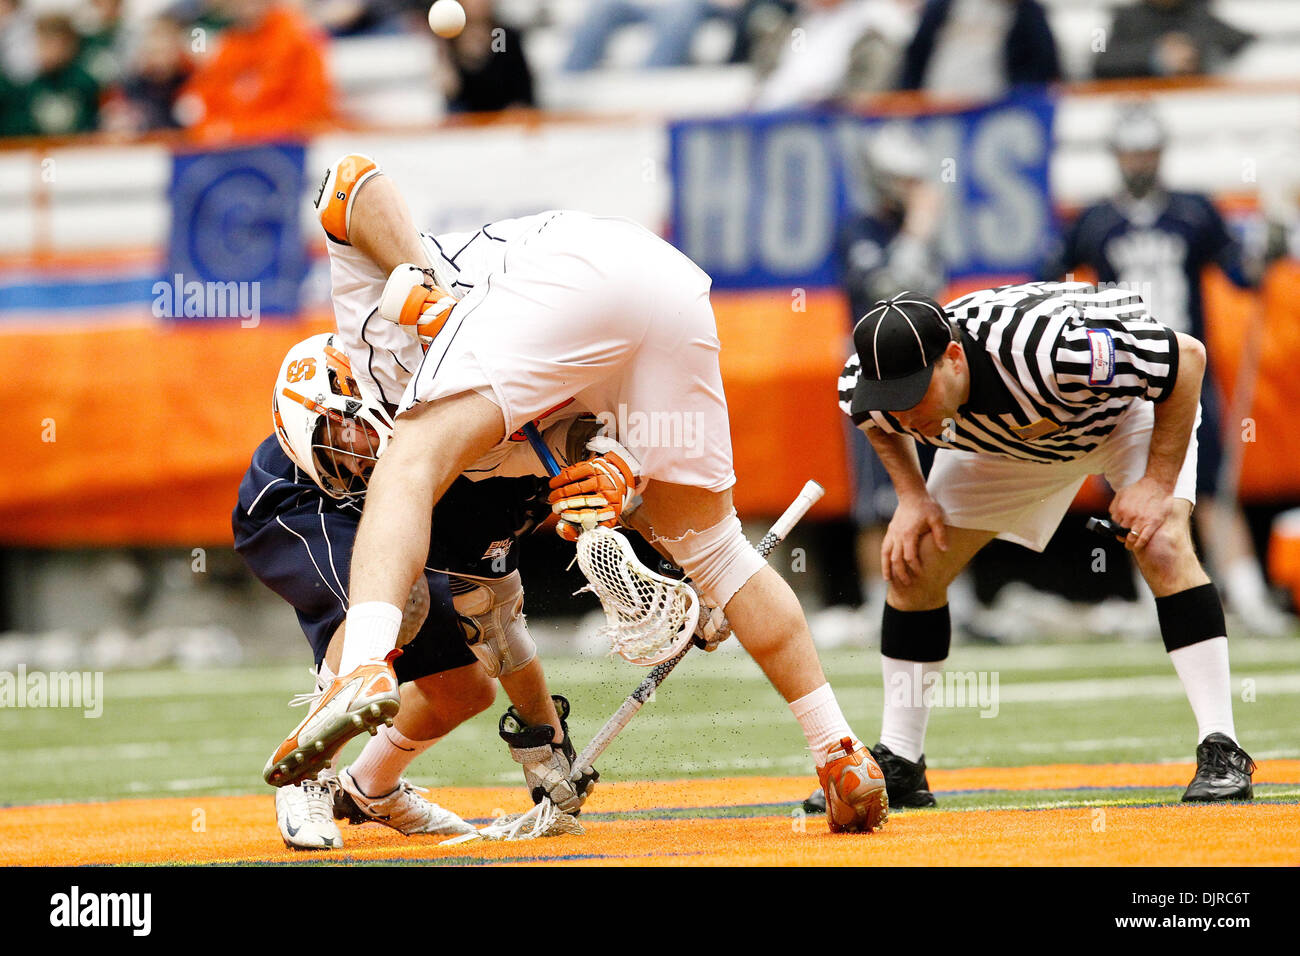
(346, 18)
(147, 97)
(484, 67)
(817, 53)
(755, 21)
(17, 42)
(980, 48)
(672, 22)
(62, 97)
(103, 40)
(890, 247)
(267, 77)
(1167, 38)
(1157, 242)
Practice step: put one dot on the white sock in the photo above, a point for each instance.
(823, 724)
(1203, 669)
(385, 756)
(370, 634)
(902, 726)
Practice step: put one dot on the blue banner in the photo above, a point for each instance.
(236, 238)
(757, 199)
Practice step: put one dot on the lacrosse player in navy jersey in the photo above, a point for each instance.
(1026, 391)
(462, 629)
(1157, 242)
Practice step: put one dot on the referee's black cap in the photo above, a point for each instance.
(898, 343)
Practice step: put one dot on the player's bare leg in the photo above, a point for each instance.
(770, 625)
(1195, 635)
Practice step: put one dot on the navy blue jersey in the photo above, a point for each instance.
(1156, 247)
(298, 541)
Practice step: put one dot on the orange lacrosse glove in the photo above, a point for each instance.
(592, 492)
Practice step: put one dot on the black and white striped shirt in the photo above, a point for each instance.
(1053, 368)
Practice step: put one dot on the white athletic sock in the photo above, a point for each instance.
(902, 725)
(823, 724)
(1203, 669)
(385, 756)
(371, 633)
(1244, 581)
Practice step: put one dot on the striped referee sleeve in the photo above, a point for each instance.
(1103, 356)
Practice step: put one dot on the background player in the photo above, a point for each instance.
(566, 311)
(1158, 242)
(1026, 390)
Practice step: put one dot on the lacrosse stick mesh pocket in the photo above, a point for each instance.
(649, 617)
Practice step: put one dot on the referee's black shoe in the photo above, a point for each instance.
(1222, 772)
(905, 782)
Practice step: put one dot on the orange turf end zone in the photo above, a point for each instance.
(242, 829)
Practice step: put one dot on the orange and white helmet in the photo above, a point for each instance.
(331, 427)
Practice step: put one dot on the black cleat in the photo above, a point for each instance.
(905, 782)
(1222, 772)
(816, 802)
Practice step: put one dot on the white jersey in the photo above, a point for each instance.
(384, 355)
(560, 314)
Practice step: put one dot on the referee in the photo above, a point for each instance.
(1026, 390)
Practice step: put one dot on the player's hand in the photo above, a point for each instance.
(548, 766)
(595, 491)
(1142, 507)
(712, 628)
(900, 552)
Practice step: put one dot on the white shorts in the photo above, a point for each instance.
(1025, 501)
(605, 315)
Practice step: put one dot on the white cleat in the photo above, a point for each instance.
(407, 809)
(305, 814)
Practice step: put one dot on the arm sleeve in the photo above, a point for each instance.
(1133, 358)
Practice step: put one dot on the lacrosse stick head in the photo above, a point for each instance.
(648, 617)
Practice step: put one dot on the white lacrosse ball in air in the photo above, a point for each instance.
(447, 18)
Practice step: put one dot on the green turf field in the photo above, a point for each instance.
(175, 733)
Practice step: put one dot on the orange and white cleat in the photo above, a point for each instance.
(854, 784)
(361, 700)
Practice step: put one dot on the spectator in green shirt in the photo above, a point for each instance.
(62, 98)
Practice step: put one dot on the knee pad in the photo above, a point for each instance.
(719, 559)
(339, 191)
(491, 613)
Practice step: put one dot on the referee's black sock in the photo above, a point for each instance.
(1194, 632)
(913, 644)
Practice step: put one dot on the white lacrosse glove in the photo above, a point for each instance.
(713, 627)
(413, 300)
(547, 765)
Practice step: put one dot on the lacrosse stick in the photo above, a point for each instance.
(543, 819)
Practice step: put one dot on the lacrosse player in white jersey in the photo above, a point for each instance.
(550, 316)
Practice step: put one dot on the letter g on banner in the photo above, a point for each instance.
(236, 217)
